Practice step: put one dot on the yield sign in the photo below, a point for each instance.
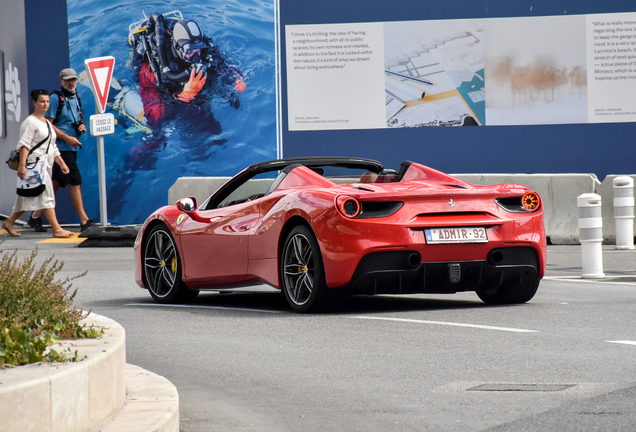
(100, 71)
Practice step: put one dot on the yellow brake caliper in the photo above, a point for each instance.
(303, 269)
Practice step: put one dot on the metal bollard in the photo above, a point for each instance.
(624, 211)
(591, 235)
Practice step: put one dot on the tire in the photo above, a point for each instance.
(162, 268)
(508, 294)
(302, 274)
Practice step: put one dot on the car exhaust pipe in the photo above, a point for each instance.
(497, 257)
(413, 260)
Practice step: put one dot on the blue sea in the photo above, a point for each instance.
(141, 166)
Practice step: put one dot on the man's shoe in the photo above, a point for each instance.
(86, 225)
(36, 224)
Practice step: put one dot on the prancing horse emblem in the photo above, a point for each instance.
(451, 203)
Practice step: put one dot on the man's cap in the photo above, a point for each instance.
(67, 74)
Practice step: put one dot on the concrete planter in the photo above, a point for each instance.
(90, 394)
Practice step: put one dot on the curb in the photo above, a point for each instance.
(82, 396)
(152, 404)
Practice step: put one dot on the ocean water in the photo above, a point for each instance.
(217, 138)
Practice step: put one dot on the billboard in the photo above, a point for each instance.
(497, 71)
(399, 80)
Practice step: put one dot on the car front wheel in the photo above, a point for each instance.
(162, 268)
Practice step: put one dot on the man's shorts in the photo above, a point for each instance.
(74, 178)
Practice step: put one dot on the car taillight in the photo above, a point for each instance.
(348, 206)
(531, 201)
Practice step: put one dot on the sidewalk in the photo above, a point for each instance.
(564, 261)
(28, 237)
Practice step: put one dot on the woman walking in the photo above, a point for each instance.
(35, 130)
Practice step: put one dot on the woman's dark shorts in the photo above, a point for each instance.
(74, 178)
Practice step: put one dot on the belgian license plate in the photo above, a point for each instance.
(456, 235)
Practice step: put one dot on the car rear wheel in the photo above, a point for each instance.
(303, 275)
(521, 293)
(162, 268)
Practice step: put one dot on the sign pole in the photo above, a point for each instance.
(101, 171)
(100, 71)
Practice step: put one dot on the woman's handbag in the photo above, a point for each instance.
(34, 182)
(14, 156)
(14, 160)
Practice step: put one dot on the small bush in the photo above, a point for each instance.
(36, 311)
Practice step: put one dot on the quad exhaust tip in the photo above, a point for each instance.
(413, 260)
(497, 256)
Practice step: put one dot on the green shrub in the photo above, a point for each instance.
(36, 311)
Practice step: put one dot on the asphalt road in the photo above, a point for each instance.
(244, 362)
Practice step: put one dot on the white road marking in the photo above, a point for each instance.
(624, 342)
(609, 280)
(562, 277)
(204, 307)
(485, 327)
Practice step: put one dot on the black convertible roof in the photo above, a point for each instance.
(318, 161)
(281, 164)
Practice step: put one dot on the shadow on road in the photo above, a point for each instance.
(275, 301)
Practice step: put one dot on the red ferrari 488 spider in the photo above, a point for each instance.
(323, 228)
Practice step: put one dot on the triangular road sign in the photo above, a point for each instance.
(100, 71)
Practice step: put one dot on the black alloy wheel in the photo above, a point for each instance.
(303, 275)
(162, 268)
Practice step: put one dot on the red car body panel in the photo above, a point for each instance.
(241, 243)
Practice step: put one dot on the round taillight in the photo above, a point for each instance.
(531, 201)
(348, 206)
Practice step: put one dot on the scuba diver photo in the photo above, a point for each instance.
(175, 62)
(192, 92)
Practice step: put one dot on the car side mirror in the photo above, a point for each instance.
(187, 205)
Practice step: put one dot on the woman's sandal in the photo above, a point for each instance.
(11, 231)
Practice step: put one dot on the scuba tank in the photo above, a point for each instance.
(156, 22)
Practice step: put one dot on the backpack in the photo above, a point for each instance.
(63, 101)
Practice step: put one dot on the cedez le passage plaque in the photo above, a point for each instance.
(102, 124)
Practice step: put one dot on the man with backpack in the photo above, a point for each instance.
(65, 113)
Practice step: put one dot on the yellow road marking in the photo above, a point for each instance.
(3, 231)
(72, 239)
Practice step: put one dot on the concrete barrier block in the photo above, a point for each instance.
(199, 187)
(202, 187)
(558, 193)
(606, 191)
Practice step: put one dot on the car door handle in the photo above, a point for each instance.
(244, 228)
